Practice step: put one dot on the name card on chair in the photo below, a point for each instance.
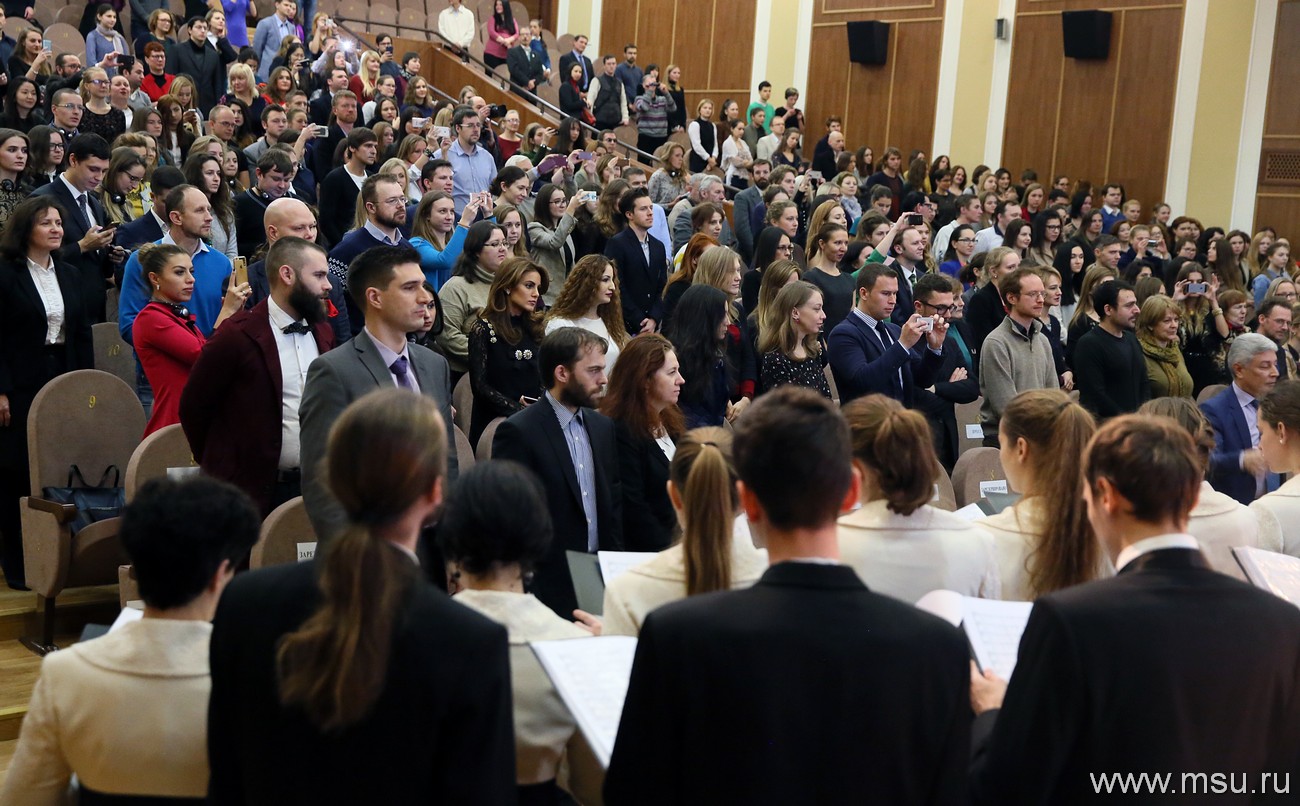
(995, 486)
(974, 431)
(182, 473)
(306, 551)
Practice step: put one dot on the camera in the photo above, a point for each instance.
(321, 131)
(496, 110)
(587, 196)
(1197, 288)
(926, 323)
(125, 62)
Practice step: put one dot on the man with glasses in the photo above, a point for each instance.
(968, 214)
(221, 122)
(870, 354)
(1273, 321)
(1016, 357)
(472, 166)
(67, 109)
(385, 218)
(956, 380)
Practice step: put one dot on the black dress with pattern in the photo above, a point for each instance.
(500, 373)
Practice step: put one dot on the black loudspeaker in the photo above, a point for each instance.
(1087, 34)
(868, 41)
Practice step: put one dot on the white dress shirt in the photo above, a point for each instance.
(47, 285)
(297, 351)
(1150, 544)
(84, 209)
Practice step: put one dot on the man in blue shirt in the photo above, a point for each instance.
(270, 32)
(630, 75)
(190, 215)
(472, 167)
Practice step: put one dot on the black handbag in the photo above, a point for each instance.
(97, 503)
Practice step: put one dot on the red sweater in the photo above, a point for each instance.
(167, 346)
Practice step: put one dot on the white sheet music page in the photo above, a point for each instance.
(616, 563)
(591, 676)
(994, 629)
(1278, 574)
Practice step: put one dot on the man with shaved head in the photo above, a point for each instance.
(289, 217)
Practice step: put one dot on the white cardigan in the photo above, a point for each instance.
(630, 597)
(1278, 513)
(1219, 522)
(907, 556)
(127, 713)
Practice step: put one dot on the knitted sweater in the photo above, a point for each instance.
(340, 259)
(652, 113)
(1012, 362)
(461, 302)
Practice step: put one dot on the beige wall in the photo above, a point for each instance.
(1217, 132)
(974, 84)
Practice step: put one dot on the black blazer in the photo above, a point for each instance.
(441, 730)
(903, 308)
(533, 438)
(23, 370)
(338, 196)
(95, 266)
(938, 406)
(568, 60)
(862, 366)
(1167, 667)
(642, 285)
(649, 520)
(805, 688)
(985, 312)
(522, 68)
(142, 230)
(318, 109)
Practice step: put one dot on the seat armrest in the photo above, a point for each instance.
(63, 513)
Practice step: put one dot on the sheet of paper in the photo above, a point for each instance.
(994, 629)
(1278, 574)
(944, 604)
(591, 676)
(974, 431)
(970, 512)
(182, 473)
(128, 615)
(995, 486)
(614, 564)
(306, 551)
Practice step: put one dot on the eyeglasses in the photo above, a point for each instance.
(56, 145)
(1034, 294)
(965, 240)
(471, 125)
(785, 250)
(135, 179)
(494, 244)
(78, 107)
(942, 310)
(98, 82)
(393, 201)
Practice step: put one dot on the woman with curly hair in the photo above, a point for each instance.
(590, 300)
(669, 182)
(503, 345)
(203, 170)
(175, 140)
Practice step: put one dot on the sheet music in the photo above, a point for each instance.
(994, 629)
(970, 512)
(616, 563)
(591, 676)
(128, 615)
(1278, 574)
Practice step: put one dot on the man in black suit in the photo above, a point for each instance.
(197, 58)
(318, 109)
(642, 263)
(274, 174)
(573, 450)
(956, 379)
(577, 56)
(342, 185)
(759, 695)
(1168, 668)
(525, 68)
(87, 243)
(908, 251)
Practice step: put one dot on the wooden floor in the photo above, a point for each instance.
(19, 666)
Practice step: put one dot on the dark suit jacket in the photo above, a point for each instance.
(1132, 674)
(338, 195)
(722, 707)
(533, 438)
(250, 220)
(95, 266)
(985, 312)
(338, 378)
(903, 308)
(204, 65)
(938, 405)
(323, 153)
(231, 405)
(649, 520)
(440, 731)
(318, 109)
(862, 366)
(569, 59)
(23, 370)
(641, 284)
(522, 68)
(1231, 437)
(142, 230)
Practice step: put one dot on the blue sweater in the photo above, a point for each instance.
(438, 265)
(341, 257)
(211, 271)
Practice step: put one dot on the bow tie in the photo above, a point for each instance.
(295, 327)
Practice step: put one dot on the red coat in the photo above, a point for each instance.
(231, 406)
(167, 347)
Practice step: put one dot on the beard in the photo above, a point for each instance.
(394, 221)
(306, 304)
(573, 394)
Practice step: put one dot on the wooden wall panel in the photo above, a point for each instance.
(882, 105)
(1098, 120)
(1277, 201)
(711, 40)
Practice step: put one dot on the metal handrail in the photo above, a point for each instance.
(649, 159)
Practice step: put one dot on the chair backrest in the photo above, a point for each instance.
(830, 379)
(484, 450)
(975, 467)
(69, 15)
(128, 589)
(283, 530)
(66, 39)
(86, 418)
(945, 497)
(112, 354)
(464, 450)
(165, 448)
(1210, 391)
(970, 434)
(462, 400)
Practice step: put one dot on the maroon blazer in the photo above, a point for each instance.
(230, 409)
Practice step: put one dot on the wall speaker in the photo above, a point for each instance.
(868, 41)
(1002, 29)
(1086, 33)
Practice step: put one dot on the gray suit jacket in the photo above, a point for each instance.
(746, 201)
(335, 380)
(682, 231)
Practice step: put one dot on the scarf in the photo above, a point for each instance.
(1178, 383)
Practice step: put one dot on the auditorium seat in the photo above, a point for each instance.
(830, 377)
(1210, 391)
(411, 21)
(282, 531)
(66, 38)
(464, 450)
(968, 414)
(163, 449)
(484, 450)
(93, 420)
(112, 354)
(975, 466)
(128, 589)
(945, 497)
(462, 400)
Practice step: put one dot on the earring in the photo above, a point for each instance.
(157, 287)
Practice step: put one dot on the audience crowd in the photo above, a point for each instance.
(742, 346)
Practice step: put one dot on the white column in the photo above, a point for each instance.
(802, 34)
(762, 37)
(593, 37)
(1186, 91)
(998, 89)
(1252, 114)
(949, 58)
